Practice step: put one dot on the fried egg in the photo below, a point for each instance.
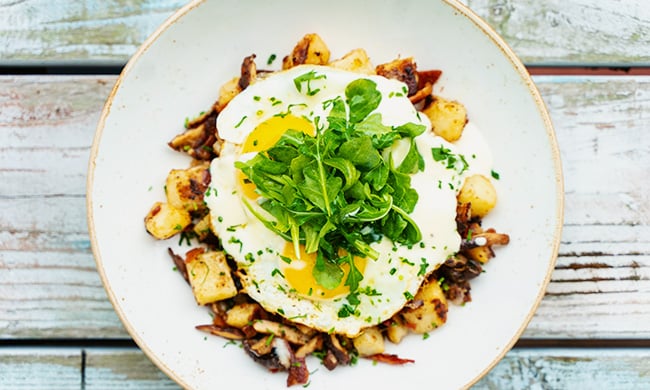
(271, 272)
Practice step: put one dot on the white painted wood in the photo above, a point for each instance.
(39, 31)
(49, 286)
(560, 32)
(550, 32)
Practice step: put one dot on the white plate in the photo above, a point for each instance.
(177, 73)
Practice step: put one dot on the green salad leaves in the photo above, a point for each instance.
(334, 192)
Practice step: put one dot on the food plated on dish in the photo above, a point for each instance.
(171, 92)
(334, 204)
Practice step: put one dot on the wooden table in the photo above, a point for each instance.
(59, 59)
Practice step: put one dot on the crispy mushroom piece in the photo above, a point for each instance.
(340, 352)
(248, 72)
(402, 69)
(201, 140)
(389, 358)
(179, 263)
(225, 332)
(280, 330)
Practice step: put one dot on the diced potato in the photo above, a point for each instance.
(448, 118)
(185, 187)
(165, 220)
(242, 314)
(482, 254)
(210, 278)
(227, 92)
(433, 311)
(479, 192)
(396, 331)
(355, 61)
(311, 49)
(369, 342)
(203, 227)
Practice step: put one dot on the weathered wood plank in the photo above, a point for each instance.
(577, 32)
(600, 288)
(552, 32)
(40, 31)
(123, 368)
(40, 368)
(128, 368)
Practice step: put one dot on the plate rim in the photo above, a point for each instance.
(486, 29)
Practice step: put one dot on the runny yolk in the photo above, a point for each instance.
(299, 274)
(264, 136)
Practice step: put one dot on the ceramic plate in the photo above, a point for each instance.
(177, 73)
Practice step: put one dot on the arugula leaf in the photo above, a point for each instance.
(354, 275)
(347, 169)
(413, 161)
(326, 273)
(362, 97)
(361, 153)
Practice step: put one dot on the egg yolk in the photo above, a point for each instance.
(299, 274)
(264, 136)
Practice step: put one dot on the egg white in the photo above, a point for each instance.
(396, 275)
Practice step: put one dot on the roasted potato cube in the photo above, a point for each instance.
(165, 220)
(203, 227)
(185, 187)
(482, 254)
(369, 342)
(448, 118)
(479, 192)
(355, 61)
(432, 313)
(210, 277)
(226, 93)
(311, 49)
(396, 331)
(242, 314)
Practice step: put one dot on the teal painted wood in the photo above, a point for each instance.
(551, 32)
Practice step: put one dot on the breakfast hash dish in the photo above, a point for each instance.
(332, 206)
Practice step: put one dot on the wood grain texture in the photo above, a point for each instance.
(39, 31)
(128, 368)
(550, 32)
(576, 32)
(49, 287)
(40, 368)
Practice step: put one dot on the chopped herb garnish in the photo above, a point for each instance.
(277, 272)
(271, 58)
(423, 267)
(308, 78)
(408, 295)
(453, 161)
(243, 118)
(495, 175)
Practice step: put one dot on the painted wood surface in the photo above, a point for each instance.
(550, 32)
(128, 368)
(49, 287)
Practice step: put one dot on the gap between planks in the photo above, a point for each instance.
(116, 69)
